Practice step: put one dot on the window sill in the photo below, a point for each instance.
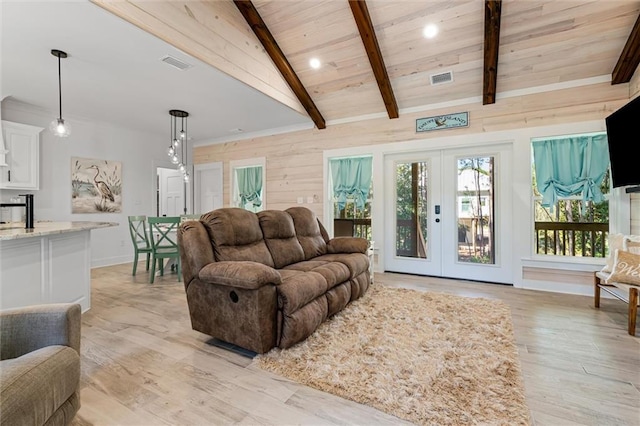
(565, 262)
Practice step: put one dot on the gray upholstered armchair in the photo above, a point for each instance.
(40, 364)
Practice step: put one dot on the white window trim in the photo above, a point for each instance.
(239, 164)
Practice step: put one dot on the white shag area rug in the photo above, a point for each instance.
(429, 358)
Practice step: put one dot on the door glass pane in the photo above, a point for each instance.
(411, 210)
(475, 212)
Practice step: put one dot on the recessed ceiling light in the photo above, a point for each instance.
(430, 31)
(315, 63)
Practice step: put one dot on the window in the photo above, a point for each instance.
(571, 189)
(352, 194)
(476, 215)
(248, 179)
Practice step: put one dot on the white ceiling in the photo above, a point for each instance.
(114, 74)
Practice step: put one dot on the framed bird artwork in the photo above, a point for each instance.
(96, 186)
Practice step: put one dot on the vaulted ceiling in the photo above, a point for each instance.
(374, 59)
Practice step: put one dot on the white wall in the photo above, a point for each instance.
(139, 153)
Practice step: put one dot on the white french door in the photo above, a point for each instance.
(450, 214)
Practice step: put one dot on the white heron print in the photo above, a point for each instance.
(96, 186)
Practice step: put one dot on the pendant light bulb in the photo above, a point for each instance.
(174, 159)
(186, 177)
(58, 127)
(182, 134)
(170, 151)
(176, 142)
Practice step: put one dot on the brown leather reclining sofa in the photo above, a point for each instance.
(268, 279)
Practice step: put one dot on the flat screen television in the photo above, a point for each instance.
(622, 134)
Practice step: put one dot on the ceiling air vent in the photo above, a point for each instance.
(445, 77)
(176, 63)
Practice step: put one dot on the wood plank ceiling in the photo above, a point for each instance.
(374, 57)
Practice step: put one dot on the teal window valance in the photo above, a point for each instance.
(571, 166)
(249, 180)
(351, 179)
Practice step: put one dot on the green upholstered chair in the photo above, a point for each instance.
(163, 233)
(140, 239)
(40, 364)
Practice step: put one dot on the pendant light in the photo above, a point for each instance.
(58, 127)
(177, 150)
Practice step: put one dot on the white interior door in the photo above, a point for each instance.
(208, 187)
(170, 192)
(451, 213)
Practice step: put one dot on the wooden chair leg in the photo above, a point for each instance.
(135, 262)
(152, 274)
(148, 259)
(633, 310)
(596, 291)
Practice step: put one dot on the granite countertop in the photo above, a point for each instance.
(15, 230)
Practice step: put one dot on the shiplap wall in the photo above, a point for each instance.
(295, 160)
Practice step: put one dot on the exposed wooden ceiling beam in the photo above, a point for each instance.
(492, 12)
(261, 31)
(370, 41)
(629, 58)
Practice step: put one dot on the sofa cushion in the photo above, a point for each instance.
(337, 298)
(298, 289)
(334, 273)
(236, 235)
(308, 232)
(356, 262)
(300, 324)
(35, 385)
(280, 236)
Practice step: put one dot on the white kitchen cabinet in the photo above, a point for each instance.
(22, 142)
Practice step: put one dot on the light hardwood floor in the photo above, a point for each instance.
(143, 365)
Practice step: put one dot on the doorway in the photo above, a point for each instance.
(451, 213)
(170, 192)
(207, 184)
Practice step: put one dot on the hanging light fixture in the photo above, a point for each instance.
(58, 127)
(177, 150)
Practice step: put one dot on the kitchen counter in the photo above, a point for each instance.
(50, 263)
(15, 230)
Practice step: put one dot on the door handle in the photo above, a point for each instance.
(437, 209)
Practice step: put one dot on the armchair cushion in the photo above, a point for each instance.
(40, 364)
(33, 386)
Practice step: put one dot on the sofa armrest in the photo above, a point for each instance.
(196, 250)
(242, 274)
(347, 245)
(23, 330)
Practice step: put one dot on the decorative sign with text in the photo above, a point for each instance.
(449, 121)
